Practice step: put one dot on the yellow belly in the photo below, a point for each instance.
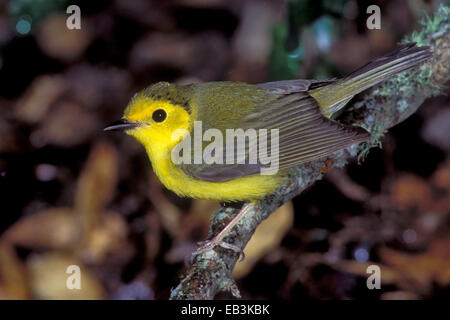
(240, 189)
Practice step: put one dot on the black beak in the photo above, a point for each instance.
(121, 125)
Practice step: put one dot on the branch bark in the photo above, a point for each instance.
(377, 110)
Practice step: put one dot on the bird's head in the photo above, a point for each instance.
(158, 116)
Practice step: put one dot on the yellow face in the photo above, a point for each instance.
(159, 123)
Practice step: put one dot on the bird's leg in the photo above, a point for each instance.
(218, 239)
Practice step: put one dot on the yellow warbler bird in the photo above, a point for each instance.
(298, 114)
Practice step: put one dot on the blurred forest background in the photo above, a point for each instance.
(71, 194)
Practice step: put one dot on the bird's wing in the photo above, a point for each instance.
(304, 135)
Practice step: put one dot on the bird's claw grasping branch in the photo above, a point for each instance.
(378, 110)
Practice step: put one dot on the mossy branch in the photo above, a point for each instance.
(377, 110)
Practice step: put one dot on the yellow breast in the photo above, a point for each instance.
(240, 189)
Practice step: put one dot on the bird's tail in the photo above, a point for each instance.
(334, 96)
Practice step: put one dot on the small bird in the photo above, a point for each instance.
(162, 117)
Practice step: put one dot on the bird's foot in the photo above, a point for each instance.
(218, 239)
(210, 244)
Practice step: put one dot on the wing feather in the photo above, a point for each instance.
(304, 134)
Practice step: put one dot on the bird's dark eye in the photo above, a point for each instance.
(159, 115)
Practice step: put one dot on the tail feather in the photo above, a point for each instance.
(333, 97)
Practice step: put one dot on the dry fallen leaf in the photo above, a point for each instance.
(422, 270)
(13, 280)
(267, 236)
(60, 129)
(96, 186)
(181, 51)
(410, 191)
(39, 97)
(58, 41)
(108, 236)
(441, 177)
(169, 213)
(52, 228)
